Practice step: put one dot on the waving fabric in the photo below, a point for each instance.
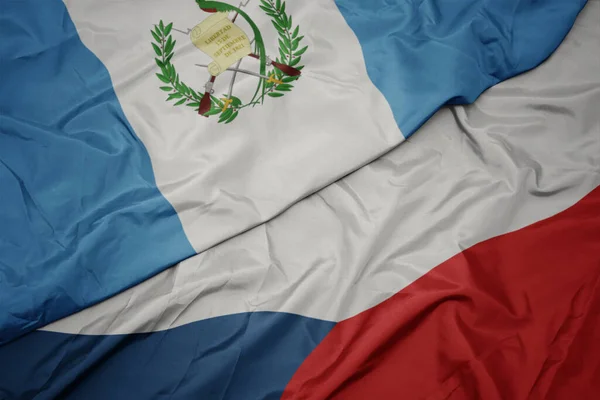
(463, 264)
(104, 184)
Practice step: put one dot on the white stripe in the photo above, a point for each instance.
(224, 179)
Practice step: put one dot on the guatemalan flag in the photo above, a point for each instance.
(207, 200)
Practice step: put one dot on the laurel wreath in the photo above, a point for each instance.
(290, 53)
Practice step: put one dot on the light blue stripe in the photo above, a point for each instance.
(422, 54)
(81, 218)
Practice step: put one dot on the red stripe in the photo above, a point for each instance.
(509, 318)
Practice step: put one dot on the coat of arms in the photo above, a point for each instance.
(228, 45)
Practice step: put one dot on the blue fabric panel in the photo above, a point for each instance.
(80, 215)
(242, 356)
(422, 54)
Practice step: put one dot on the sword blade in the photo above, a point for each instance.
(243, 71)
(237, 66)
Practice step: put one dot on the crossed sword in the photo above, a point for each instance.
(209, 85)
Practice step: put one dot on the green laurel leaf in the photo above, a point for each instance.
(226, 114)
(162, 78)
(301, 51)
(275, 94)
(213, 111)
(155, 36)
(233, 116)
(170, 45)
(296, 42)
(284, 87)
(185, 88)
(282, 46)
(287, 43)
(277, 27)
(175, 95)
(167, 29)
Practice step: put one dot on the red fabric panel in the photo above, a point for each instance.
(514, 317)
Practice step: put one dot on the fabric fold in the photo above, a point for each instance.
(92, 156)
